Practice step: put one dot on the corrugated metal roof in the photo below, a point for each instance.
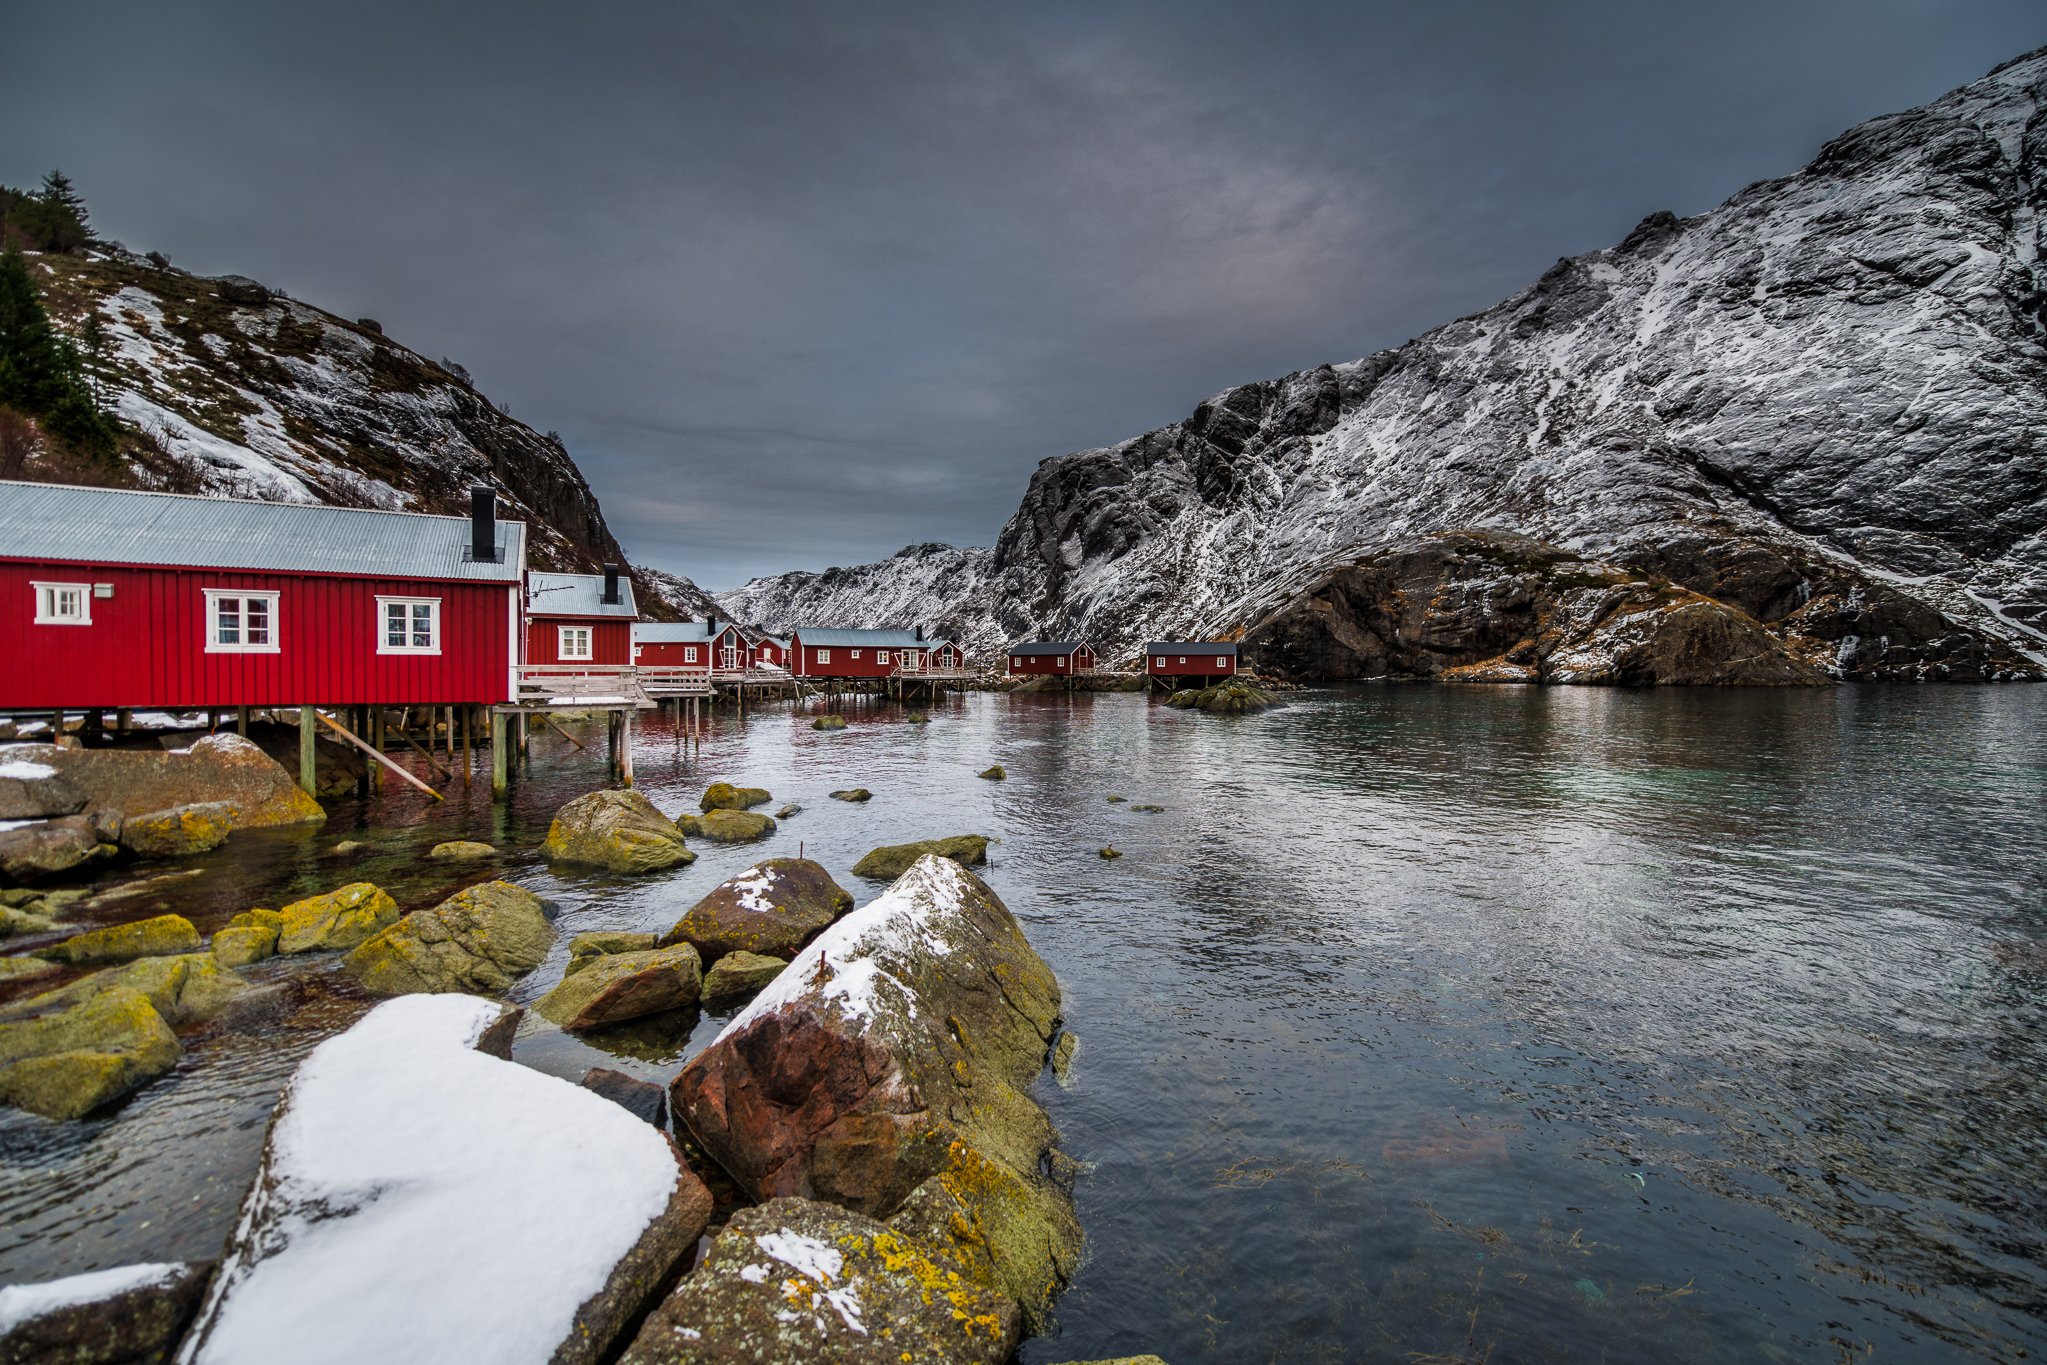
(677, 632)
(120, 526)
(576, 594)
(880, 639)
(1041, 647)
(1190, 647)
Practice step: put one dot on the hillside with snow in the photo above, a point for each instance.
(240, 391)
(1810, 424)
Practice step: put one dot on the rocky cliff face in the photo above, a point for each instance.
(921, 585)
(240, 391)
(1820, 407)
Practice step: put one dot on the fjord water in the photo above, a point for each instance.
(1422, 1023)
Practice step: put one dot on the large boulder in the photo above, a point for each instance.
(189, 988)
(618, 831)
(1233, 698)
(64, 1061)
(588, 947)
(642, 1099)
(741, 974)
(32, 852)
(616, 987)
(735, 826)
(217, 768)
(130, 1315)
(892, 860)
(179, 831)
(479, 940)
(158, 936)
(335, 919)
(725, 796)
(796, 1280)
(35, 791)
(887, 1069)
(421, 1199)
(773, 908)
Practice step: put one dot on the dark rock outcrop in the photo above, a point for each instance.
(616, 987)
(773, 908)
(892, 860)
(130, 1315)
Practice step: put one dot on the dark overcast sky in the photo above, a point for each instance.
(802, 284)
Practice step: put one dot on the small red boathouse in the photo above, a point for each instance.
(580, 618)
(875, 654)
(703, 645)
(1177, 659)
(1051, 658)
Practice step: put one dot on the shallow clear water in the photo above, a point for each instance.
(1503, 1024)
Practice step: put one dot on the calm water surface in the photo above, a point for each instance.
(1438, 1024)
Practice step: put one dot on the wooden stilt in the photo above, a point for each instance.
(338, 728)
(468, 734)
(123, 719)
(242, 721)
(309, 769)
(448, 716)
(413, 745)
(556, 725)
(500, 776)
(625, 747)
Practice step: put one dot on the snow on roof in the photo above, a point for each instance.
(679, 632)
(576, 594)
(1190, 647)
(122, 526)
(882, 639)
(421, 1200)
(1048, 647)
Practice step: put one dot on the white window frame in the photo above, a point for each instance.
(881, 656)
(1222, 661)
(1016, 661)
(1183, 658)
(689, 654)
(384, 605)
(47, 599)
(824, 656)
(561, 644)
(241, 597)
(856, 653)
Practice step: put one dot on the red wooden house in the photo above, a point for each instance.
(770, 652)
(116, 599)
(818, 653)
(1051, 658)
(1173, 660)
(701, 645)
(580, 618)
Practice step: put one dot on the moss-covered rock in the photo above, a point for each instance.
(725, 796)
(157, 936)
(893, 860)
(587, 948)
(1149, 809)
(1233, 698)
(1108, 852)
(335, 919)
(994, 772)
(243, 945)
(64, 1061)
(14, 921)
(617, 831)
(620, 986)
(689, 824)
(916, 718)
(179, 831)
(828, 723)
(773, 908)
(190, 988)
(735, 826)
(796, 1280)
(18, 969)
(740, 974)
(854, 794)
(462, 851)
(479, 941)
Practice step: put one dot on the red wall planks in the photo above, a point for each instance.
(611, 639)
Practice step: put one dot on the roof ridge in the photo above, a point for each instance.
(248, 502)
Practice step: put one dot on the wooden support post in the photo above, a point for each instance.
(375, 733)
(468, 735)
(309, 768)
(625, 747)
(500, 777)
(556, 725)
(448, 743)
(123, 720)
(432, 762)
(338, 728)
(242, 721)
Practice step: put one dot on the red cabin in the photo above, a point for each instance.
(770, 652)
(1173, 660)
(115, 599)
(1053, 659)
(868, 653)
(580, 618)
(701, 645)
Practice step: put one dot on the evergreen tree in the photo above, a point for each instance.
(40, 372)
(59, 193)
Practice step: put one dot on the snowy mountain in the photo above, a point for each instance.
(901, 590)
(241, 391)
(1802, 435)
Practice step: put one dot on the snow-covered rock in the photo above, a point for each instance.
(1822, 404)
(130, 1313)
(420, 1199)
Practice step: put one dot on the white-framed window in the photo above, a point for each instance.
(408, 625)
(881, 656)
(856, 653)
(63, 604)
(1159, 662)
(824, 656)
(689, 654)
(241, 622)
(1058, 661)
(1222, 661)
(574, 642)
(1016, 661)
(1183, 658)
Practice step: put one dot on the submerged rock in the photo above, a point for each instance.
(1232, 698)
(786, 811)
(893, 1058)
(1109, 851)
(419, 1199)
(64, 1061)
(829, 723)
(33, 852)
(725, 796)
(616, 987)
(335, 919)
(129, 1315)
(190, 988)
(179, 831)
(853, 794)
(893, 860)
(735, 826)
(158, 936)
(994, 773)
(740, 974)
(799, 1280)
(479, 940)
(618, 831)
(774, 908)
(462, 851)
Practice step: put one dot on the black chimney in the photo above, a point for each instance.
(611, 585)
(920, 634)
(483, 525)
(711, 626)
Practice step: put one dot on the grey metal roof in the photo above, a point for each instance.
(678, 632)
(1190, 647)
(576, 594)
(1042, 647)
(121, 526)
(880, 639)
